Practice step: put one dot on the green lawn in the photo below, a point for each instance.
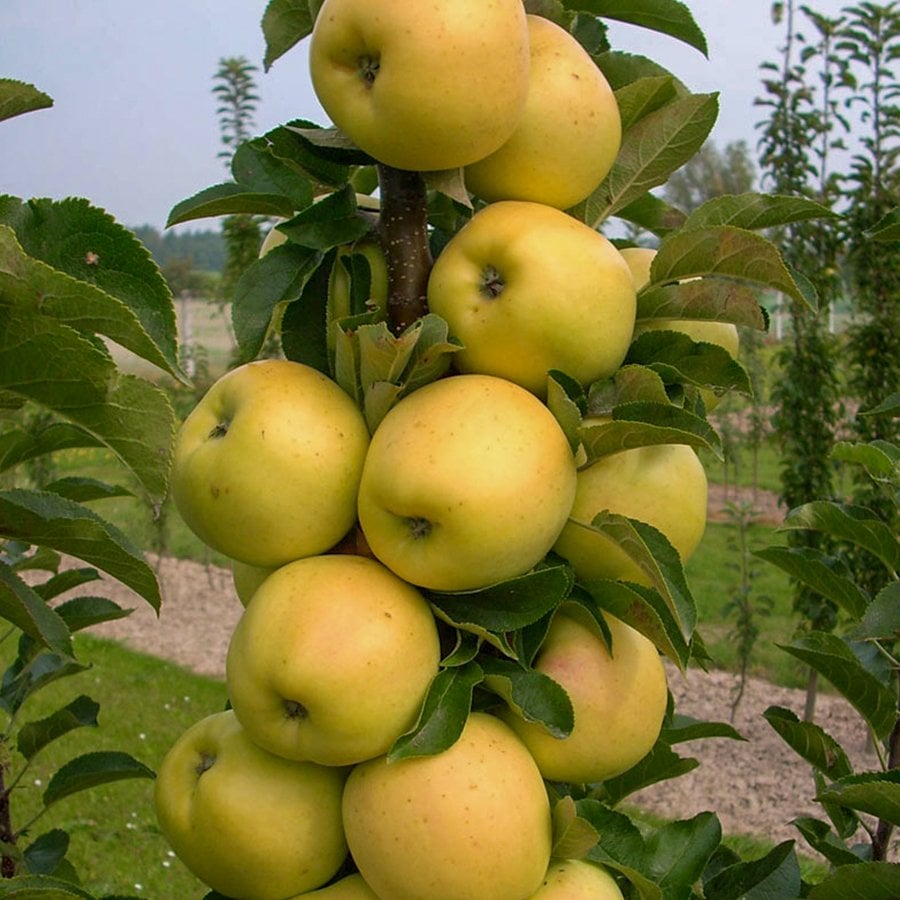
(145, 704)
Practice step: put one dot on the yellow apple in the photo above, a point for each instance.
(267, 465)
(527, 288)
(569, 134)
(467, 482)
(331, 660)
(274, 238)
(422, 86)
(248, 578)
(352, 887)
(724, 334)
(619, 699)
(245, 822)
(663, 485)
(576, 879)
(471, 822)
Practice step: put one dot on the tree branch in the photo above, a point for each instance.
(403, 232)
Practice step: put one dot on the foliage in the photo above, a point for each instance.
(862, 664)
(70, 277)
(712, 173)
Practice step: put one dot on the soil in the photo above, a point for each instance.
(756, 786)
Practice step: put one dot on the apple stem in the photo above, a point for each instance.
(403, 232)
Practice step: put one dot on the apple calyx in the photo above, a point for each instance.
(368, 67)
(419, 527)
(293, 709)
(206, 762)
(219, 430)
(492, 283)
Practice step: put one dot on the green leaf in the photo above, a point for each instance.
(229, 199)
(621, 69)
(86, 611)
(684, 728)
(67, 580)
(660, 764)
(296, 145)
(53, 365)
(92, 770)
(653, 214)
(52, 521)
(866, 881)
(678, 359)
(834, 660)
(566, 400)
(844, 522)
(573, 835)
(23, 607)
(882, 618)
(645, 424)
(669, 17)
(888, 228)
(304, 322)
(531, 694)
(645, 95)
(34, 736)
(21, 681)
(37, 288)
(87, 244)
(644, 610)
(888, 407)
(285, 23)
(822, 839)
(777, 874)
(443, 716)
(818, 572)
(725, 251)
(754, 212)
(257, 169)
(18, 97)
(677, 852)
(18, 446)
(41, 887)
(45, 853)
(82, 489)
(875, 793)
(651, 550)
(881, 459)
(650, 152)
(706, 299)
(277, 278)
(810, 741)
(506, 606)
(629, 384)
(332, 222)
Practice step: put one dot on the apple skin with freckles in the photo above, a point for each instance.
(467, 482)
(245, 822)
(577, 879)
(425, 86)
(267, 465)
(331, 660)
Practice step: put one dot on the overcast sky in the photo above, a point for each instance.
(134, 128)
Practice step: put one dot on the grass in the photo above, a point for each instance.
(145, 704)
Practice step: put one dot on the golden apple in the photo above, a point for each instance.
(245, 822)
(467, 482)
(527, 288)
(422, 86)
(473, 821)
(331, 660)
(576, 879)
(569, 134)
(267, 465)
(619, 699)
(352, 887)
(662, 485)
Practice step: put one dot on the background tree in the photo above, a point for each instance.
(235, 90)
(870, 38)
(795, 151)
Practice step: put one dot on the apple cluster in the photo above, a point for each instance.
(338, 534)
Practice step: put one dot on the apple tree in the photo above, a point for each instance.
(71, 278)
